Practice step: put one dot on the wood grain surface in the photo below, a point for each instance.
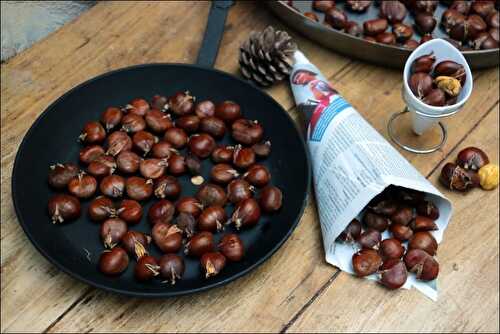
(296, 290)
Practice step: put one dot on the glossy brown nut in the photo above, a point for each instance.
(181, 103)
(463, 7)
(223, 173)
(90, 153)
(144, 141)
(425, 23)
(98, 169)
(112, 231)
(424, 241)
(455, 177)
(171, 267)
(420, 84)
(61, 174)
(493, 19)
(243, 157)
(393, 274)
(162, 149)
(393, 11)
(158, 121)
(353, 28)
(472, 158)
(375, 221)
(404, 215)
(421, 223)
(212, 219)
(212, 263)
(451, 69)
(200, 243)
(385, 207)
(425, 6)
(63, 208)
(112, 186)
(428, 209)
(422, 264)
(138, 188)
(366, 262)
(402, 32)
(188, 123)
(205, 109)
(113, 262)
(201, 145)
(483, 8)
(323, 5)
(228, 111)
(386, 38)
(132, 123)
(358, 5)
(401, 232)
(474, 25)
(161, 212)
(92, 133)
(436, 97)
(101, 208)
(411, 44)
(213, 126)
(111, 117)
(262, 150)
(130, 211)
(167, 237)
(239, 190)
(423, 63)
(247, 132)
(232, 247)
(177, 164)
(128, 162)
(187, 223)
(312, 16)
(257, 175)
(146, 268)
(223, 154)
(391, 249)
(138, 106)
(370, 239)
(452, 18)
(246, 213)
(336, 18)
(351, 232)
(158, 102)
(82, 186)
(167, 187)
(136, 243)
(211, 194)
(153, 168)
(189, 205)
(117, 142)
(271, 199)
(177, 137)
(488, 43)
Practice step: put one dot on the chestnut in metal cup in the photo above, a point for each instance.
(425, 116)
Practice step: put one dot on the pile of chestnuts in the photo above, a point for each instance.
(137, 153)
(471, 170)
(469, 24)
(436, 84)
(410, 218)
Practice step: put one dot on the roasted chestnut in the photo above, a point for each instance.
(422, 264)
(472, 158)
(462, 7)
(138, 106)
(351, 232)
(167, 187)
(243, 157)
(239, 190)
(171, 267)
(133, 123)
(117, 142)
(223, 173)
(213, 126)
(162, 149)
(426, 38)
(223, 154)
(403, 215)
(366, 262)
(424, 241)
(112, 231)
(257, 175)
(323, 5)
(201, 145)
(393, 274)
(200, 243)
(228, 111)
(370, 239)
(271, 199)
(232, 247)
(61, 174)
(103, 166)
(189, 205)
(130, 211)
(212, 219)
(402, 32)
(82, 186)
(425, 23)
(451, 69)
(211, 194)
(187, 223)
(63, 208)
(435, 97)
(188, 123)
(391, 249)
(336, 18)
(212, 263)
(352, 28)
(455, 177)
(420, 84)
(176, 136)
(177, 164)
(90, 153)
(101, 208)
(159, 102)
(181, 103)
(375, 221)
(158, 121)
(385, 207)
(138, 188)
(358, 5)
(111, 117)
(112, 186)
(92, 133)
(114, 261)
(401, 232)
(193, 164)
(483, 8)
(428, 209)
(375, 26)
(146, 268)
(135, 243)
(393, 11)
(161, 212)
(246, 214)
(247, 132)
(167, 237)
(421, 223)
(205, 109)
(128, 162)
(262, 150)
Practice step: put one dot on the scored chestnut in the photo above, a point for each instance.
(391, 249)
(177, 164)
(366, 262)
(103, 166)
(171, 267)
(189, 205)
(239, 190)
(161, 212)
(212, 263)
(336, 18)
(61, 174)
(358, 5)
(422, 264)
(262, 150)
(167, 187)
(128, 162)
(420, 84)
(428, 209)
(403, 215)
(393, 274)
(423, 63)
(375, 221)
(187, 223)
(421, 223)
(232, 247)
(455, 177)
(257, 175)
(393, 11)
(162, 149)
(138, 188)
(92, 133)
(135, 243)
(351, 232)
(63, 208)
(223, 173)
(153, 168)
(370, 239)
(213, 126)
(247, 132)
(158, 121)
(212, 219)
(211, 194)
(201, 145)
(228, 111)
(424, 241)
(401, 232)
(176, 136)
(246, 213)
(82, 186)
(243, 157)
(223, 154)
(402, 32)
(112, 186)
(137, 106)
(159, 102)
(133, 123)
(385, 207)
(375, 26)
(167, 237)
(111, 117)
(146, 268)
(205, 109)
(112, 231)
(90, 153)
(323, 5)
(114, 261)
(117, 142)
(101, 208)
(188, 123)
(271, 199)
(181, 103)
(130, 211)
(472, 158)
(144, 141)
(199, 244)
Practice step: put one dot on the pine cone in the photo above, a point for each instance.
(266, 57)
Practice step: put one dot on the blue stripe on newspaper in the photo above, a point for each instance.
(328, 115)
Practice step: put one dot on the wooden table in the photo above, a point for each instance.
(296, 290)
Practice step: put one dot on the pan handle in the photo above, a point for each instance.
(213, 32)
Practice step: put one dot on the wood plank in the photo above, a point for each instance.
(468, 279)
(294, 274)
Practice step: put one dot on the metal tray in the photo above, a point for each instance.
(356, 47)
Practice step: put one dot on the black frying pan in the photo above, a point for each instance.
(52, 138)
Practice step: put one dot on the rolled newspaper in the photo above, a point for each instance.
(352, 163)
